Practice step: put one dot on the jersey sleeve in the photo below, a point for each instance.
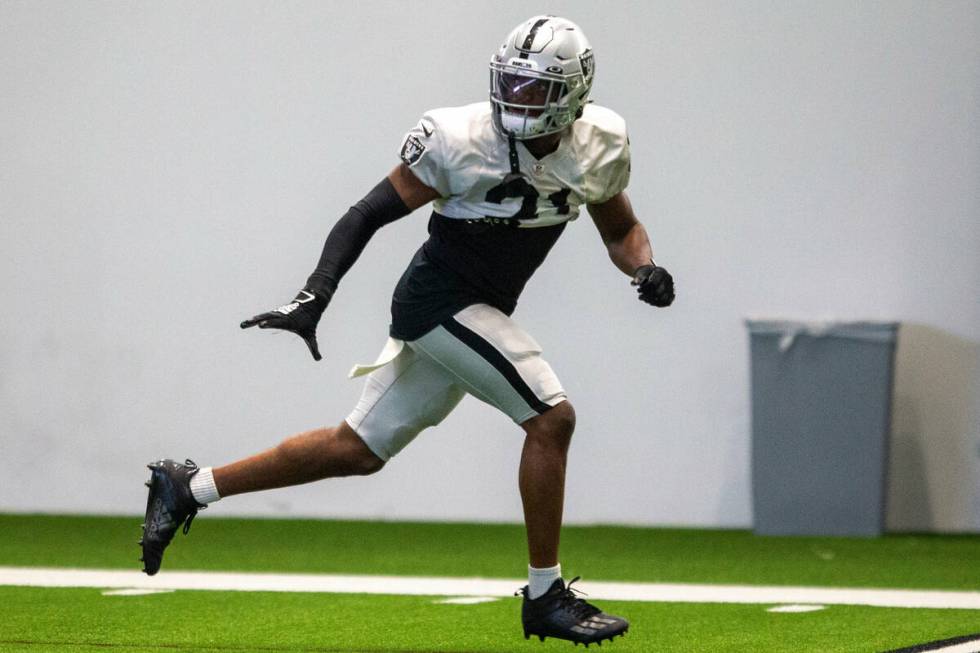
(613, 174)
(425, 152)
(608, 148)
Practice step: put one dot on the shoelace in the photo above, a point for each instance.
(579, 607)
(187, 524)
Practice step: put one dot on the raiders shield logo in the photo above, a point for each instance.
(587, 62)
(412, 150)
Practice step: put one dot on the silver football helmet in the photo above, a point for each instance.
(540, 78)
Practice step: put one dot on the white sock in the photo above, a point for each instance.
(203, 488)
(540, 580)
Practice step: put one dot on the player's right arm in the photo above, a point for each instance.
(410, 188)
(397, 195)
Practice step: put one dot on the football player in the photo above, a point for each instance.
(505, 177)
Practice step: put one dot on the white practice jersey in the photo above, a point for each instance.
(480, 248)
(457, 152)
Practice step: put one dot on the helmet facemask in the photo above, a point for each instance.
(528, 104)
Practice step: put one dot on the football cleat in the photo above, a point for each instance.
(559, 613)
(168, 505)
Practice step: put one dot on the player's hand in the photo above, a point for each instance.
(299, 316)
(654, 285)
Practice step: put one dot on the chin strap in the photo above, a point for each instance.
(515, 164)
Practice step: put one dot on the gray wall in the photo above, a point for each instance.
(167, 169)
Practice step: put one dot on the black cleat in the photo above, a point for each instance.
(559, 613)
(168, 505)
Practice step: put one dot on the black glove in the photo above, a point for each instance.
(299, 316)
(654, 285)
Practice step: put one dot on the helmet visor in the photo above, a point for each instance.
(531, 93)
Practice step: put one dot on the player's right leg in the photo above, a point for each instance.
(303, 458)
(179, 490)
(399, 400)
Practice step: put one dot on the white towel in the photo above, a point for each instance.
(391, 349)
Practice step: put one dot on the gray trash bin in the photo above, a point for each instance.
(821, 403)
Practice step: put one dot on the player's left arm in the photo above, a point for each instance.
(629, 249)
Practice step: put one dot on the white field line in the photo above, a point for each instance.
(430, 586)
(793, 607)
(965, 647)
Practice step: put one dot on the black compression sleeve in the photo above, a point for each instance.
(352, 232)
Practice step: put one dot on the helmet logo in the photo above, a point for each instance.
(587, 61)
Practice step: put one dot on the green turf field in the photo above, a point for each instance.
(83, 619)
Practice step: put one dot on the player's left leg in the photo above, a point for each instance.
(551, 608)
(542, 481)
(497, 361)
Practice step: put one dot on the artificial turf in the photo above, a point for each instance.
(498, 551)
(60, 620)
(82, 620)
